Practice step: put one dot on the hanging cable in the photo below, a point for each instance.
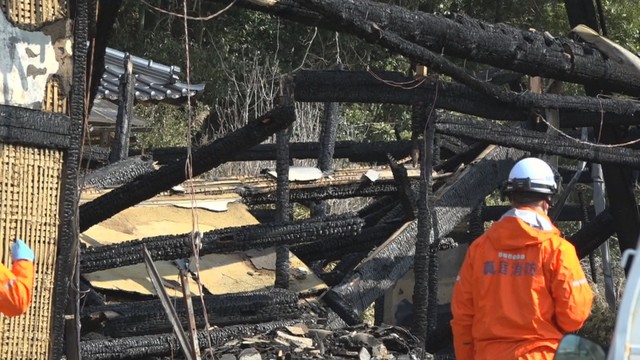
(196, 235)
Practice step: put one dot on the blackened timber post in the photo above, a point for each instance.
(283, 204)
(618, 180)
(585, 220)
(328, 135)
(283, 212)
(421, 266)
(120, 147)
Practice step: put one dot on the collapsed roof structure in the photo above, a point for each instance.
(413, 216)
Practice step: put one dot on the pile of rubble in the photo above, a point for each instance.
(299, 341)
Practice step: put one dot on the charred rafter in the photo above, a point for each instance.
(352, 150)
(373, 87)
(593, 234)
(34, 128)
(148, 317)
(534, 141)
(119, 173)
(323, 192)
(499, 45)
(151, 346)
(452, 202)
(171, 247)
(204, 158)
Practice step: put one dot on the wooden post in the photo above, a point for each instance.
(424, 291)
(283, 204)
(327, 143)
(39, 176)
(120, 147)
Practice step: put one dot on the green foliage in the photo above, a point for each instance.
(622, 20)
(168, 126)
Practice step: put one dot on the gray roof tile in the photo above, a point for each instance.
(154, 82)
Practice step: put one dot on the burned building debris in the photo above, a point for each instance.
(375, 246)
(297, 288)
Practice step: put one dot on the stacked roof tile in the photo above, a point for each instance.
(154, 82)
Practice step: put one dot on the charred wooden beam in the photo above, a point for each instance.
(29, 127)
(148, 317)
(327, 143)
(375, 235)
(335, 248)
(536, 142)
(593, 234)
(171, 247)
(120, 147)
(373, 87)
(617, 178)
(204, 158)
(499, 45)
(452, 203)
(64, 319)
(352, 150)
(151, 346)
(425, 268)
(283, 207)
(119, 173)
(406, 192)
(324, 192)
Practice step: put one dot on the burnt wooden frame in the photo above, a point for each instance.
(33, 128)
(68, 238)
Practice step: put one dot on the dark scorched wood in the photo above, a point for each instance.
(322, 192)
(334, 249)
(534, 141)
(150, 346)
(148, 317)
(204, 159)
(499, 45)
(34, 128)
(352, 150)
(119, 173)
(381, 87)
(171, 247)
(593, 234)
(63, 330)
(452, 203)
(618, 179)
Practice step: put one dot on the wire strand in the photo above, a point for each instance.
(185, 16)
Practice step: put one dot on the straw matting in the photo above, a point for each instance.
(29, 210)
(30, 185)
(35, 13)
(54, 101)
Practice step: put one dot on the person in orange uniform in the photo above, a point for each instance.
(16, 284)
(521, 285)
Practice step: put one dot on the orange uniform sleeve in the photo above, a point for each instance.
(462, 311)
(570, 290)
(16, 286)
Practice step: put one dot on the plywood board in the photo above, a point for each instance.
(219, 273)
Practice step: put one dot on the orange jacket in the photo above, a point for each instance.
(15, 287)
(520, 288)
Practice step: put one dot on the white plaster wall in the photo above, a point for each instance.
(27, 59)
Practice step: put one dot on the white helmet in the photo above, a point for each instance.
(531, 175)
